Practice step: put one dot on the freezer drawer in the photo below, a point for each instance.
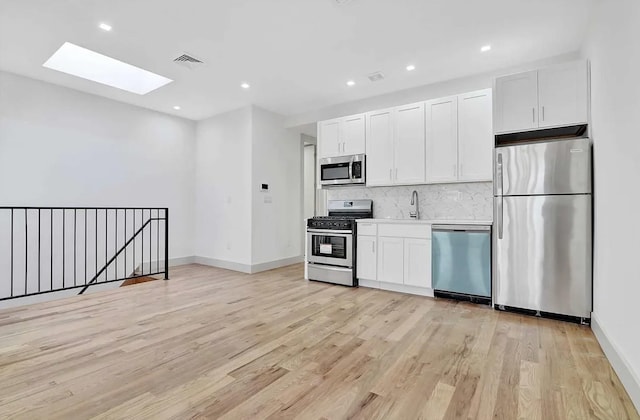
(461, 260)
(545, 168)
(542, 250)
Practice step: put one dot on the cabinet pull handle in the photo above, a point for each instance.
(390, 176)
(373, 250)
(543, 113)
(533, 113)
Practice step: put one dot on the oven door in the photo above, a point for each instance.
(332, 247)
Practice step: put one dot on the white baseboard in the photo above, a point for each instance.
(247, 268)
(256, 268)
(402, 288)
(618, 361)
(228, 265)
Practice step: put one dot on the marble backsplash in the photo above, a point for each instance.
(469, 201)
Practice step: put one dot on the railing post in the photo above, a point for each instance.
(166, 243)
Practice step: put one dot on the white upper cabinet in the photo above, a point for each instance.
(353, 135)
(475, 136)
(380, 147)
(562, 95)
(442, 140)
(438, 141)
(551, 97)
(342, 136)
(517, 102)
(409, 157)
(329, 138)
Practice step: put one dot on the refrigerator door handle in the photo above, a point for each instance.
(500, 211)
(499, 174)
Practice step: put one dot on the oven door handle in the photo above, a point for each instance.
(332, 232)
(334, 268)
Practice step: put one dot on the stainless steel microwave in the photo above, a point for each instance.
(342, 170)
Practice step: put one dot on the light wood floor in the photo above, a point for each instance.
(212, 343)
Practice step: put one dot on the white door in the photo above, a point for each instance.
(417, 262)
(562, 94)
(366, 258)
(391, 260)
(409, 165)
(475, 136)
(379, 163)
(516, 102)
(442, 140)
(329, 138)
(353, 135)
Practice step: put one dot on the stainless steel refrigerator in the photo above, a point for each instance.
(543, 227)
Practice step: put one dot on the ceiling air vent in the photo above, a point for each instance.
(188, 61)
(376, 77)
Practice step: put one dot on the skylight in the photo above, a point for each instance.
(90, 65)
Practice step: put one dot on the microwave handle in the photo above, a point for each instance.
(351, 169)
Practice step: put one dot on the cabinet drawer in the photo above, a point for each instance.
(405, 230)
(370, 229)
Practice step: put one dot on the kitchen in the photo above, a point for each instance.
(334, 209)
(516, 162)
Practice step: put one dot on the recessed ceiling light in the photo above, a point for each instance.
(351, 83)
(245, 85)
(485, 48)
(90, 65)
(177, 107)
(411, 67)
(105, 27)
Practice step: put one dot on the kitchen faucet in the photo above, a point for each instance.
(414, 202)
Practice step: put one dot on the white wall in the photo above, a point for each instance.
(238, 226)
(309, 181)
(61, 147)
(615, 69)
(276, 156)
(223, 187)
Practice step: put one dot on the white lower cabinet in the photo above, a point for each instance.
(391, 260)
(397, 258)
(366, 260)
(417, 262)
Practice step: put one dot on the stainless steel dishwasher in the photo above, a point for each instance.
(461, 262)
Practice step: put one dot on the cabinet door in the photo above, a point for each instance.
(328, 139)
(380, 147)
(353, 135)
(516, 102)
(562, 94)
(442, 140)
(475, 136)
(391, 260)
(409, 165)
(366, 258)
(417, 262)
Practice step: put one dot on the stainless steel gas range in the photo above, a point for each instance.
(331, 242)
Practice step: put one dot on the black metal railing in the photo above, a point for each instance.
(50, 249)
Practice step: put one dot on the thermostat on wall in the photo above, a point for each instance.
(264, 187)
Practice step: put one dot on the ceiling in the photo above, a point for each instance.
(296, 54)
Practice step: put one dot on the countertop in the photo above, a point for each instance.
(428, 221)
